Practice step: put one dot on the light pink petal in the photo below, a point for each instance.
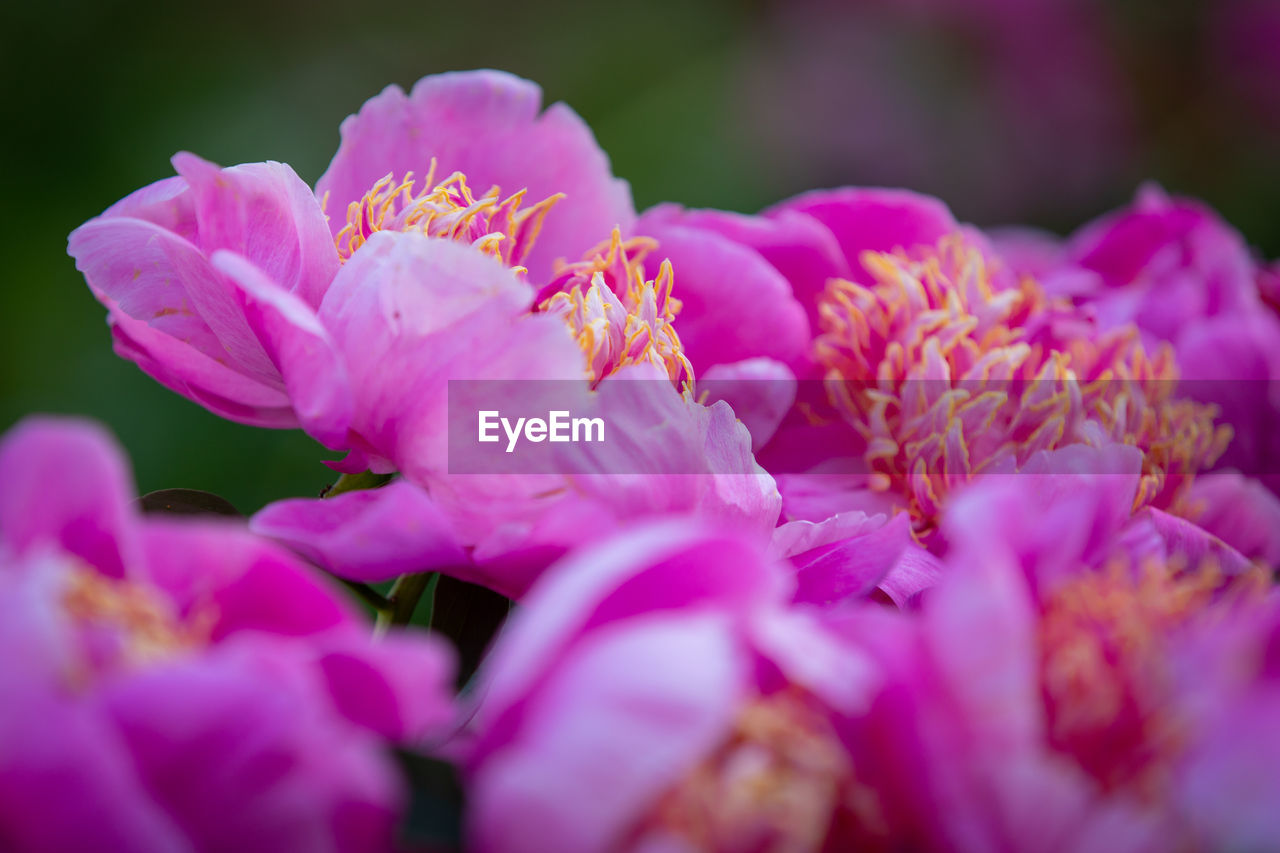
(1241, 512)
(299, 347)
(167, 203)
(165, 281)
(1183, 539)
(620, 719)
(735, 304)
(1228, 786)
(980, 627)
(409, 313)
(266, 213)
(844, 557)
(489, 125)
(64, 485)
(916, 571)
(372, 535)
(243, 583)
(661, 566)
(211, 383)
(759, 390)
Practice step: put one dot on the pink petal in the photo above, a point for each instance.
(399, 686)
(876, 220)
(760, 392)
(299, 347)
(266, 213)
(735, 304)
(798, 246)
(243, 753)
(488, 125)
(64, 484)
(619, 720)
(244, 583)
(1241, 512)
(371, 535)
(181, 368)
(409, 313)
(661, 566)
(159, 278)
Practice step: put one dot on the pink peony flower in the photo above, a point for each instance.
(175, 685)
(657, 692)
(237, 334)
(1185, 278)
(355, 331)
(1065, 685)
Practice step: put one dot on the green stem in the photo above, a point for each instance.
(356, 482)
(403, 599)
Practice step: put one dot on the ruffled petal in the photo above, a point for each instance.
(299, 347)
(266, 213)
(735, 304)
(489, 125)
(372, 535)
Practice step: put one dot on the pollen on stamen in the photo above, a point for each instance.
(947, 376)
(617, 316)
(497, 226)
(1103, 638)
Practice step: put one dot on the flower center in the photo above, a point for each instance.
(617, 317)
(780, 781)
(123, 624)
(947, 377)
(496, 226)
(1104, 639)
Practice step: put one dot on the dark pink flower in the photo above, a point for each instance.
(658, 692)
(175, 685)
(240, 335)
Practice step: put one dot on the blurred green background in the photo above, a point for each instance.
(1047, 113)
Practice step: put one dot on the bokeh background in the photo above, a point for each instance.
(1045, 112)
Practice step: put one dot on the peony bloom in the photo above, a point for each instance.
(355, 329)
(1186, 279)
(178, 685)
(213, 278)
(600, 328)
(1079, 679)
(658, 692)
(947, 376)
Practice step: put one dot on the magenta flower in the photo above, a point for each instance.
(658, 692)
(1185, 278)
(1066, 685)
(750, 284)
(238, 336)
(183, 685)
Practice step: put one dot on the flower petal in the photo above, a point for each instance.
(64, 483)
(488, 125)
(299, 348)
(372, 535)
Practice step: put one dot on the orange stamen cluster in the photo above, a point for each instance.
(1104, 640)
(948, 377)
(449, 209)
(126, 624)
(619, 318)
(780, 781)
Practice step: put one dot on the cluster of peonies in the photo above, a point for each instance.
(927, 537)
